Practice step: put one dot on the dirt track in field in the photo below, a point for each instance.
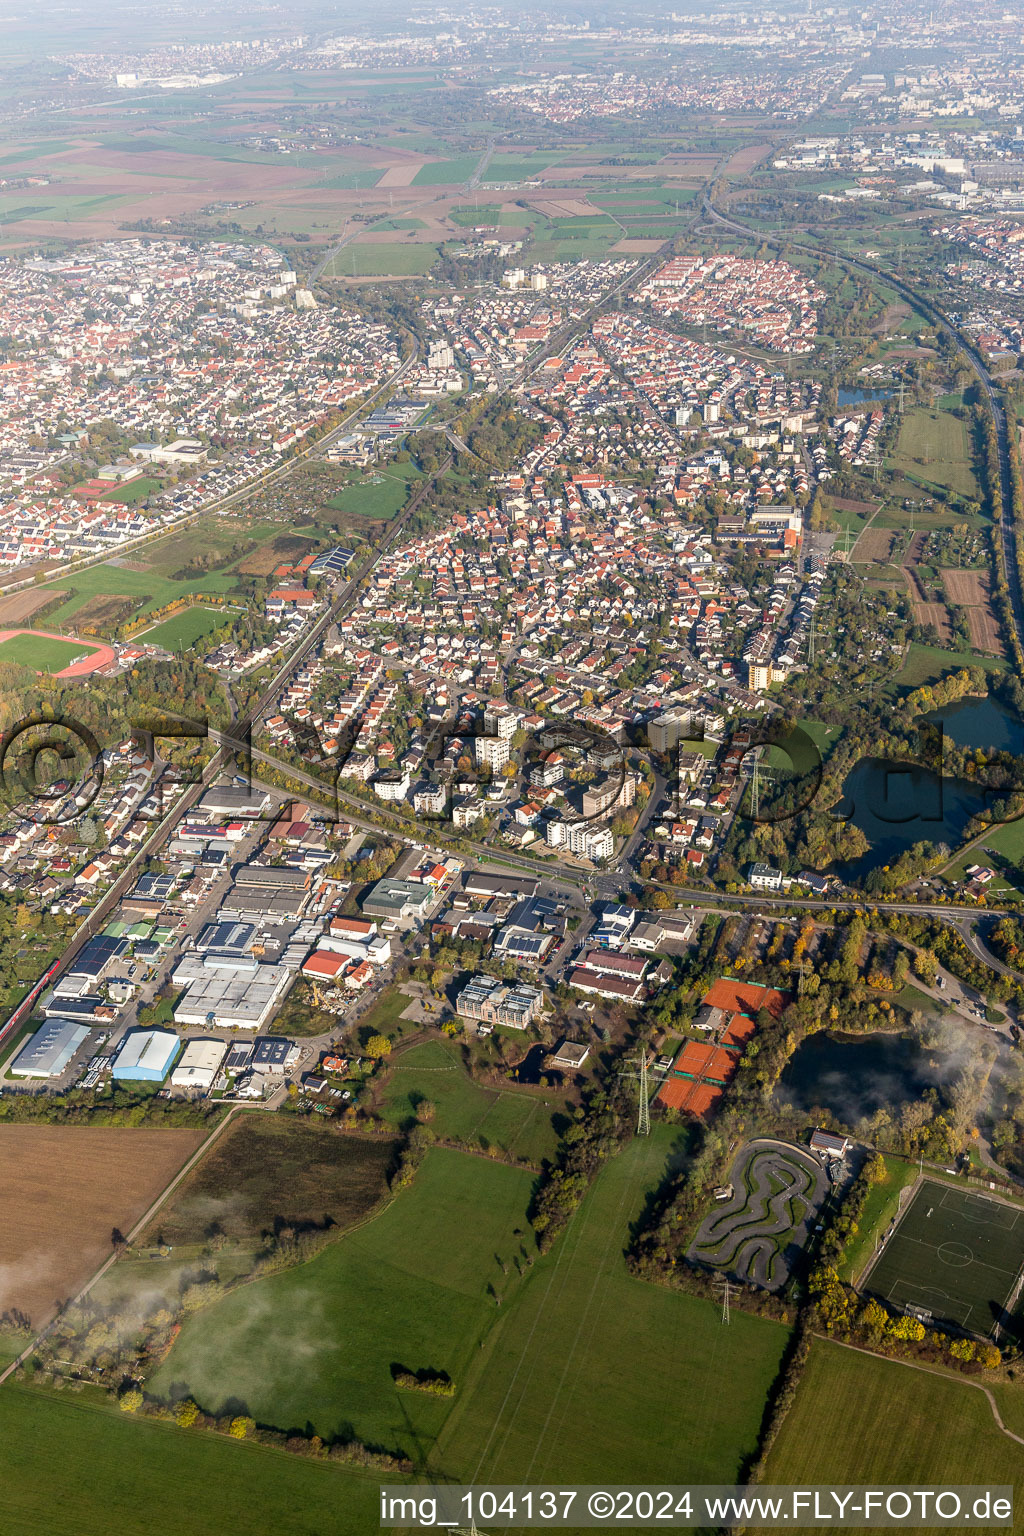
(63, 1192)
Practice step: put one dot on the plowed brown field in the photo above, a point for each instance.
(63, 1192)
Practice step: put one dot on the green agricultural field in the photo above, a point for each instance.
(565, 247)
(414, 1287)
(643, 202)
(446, 173)
(41, 654)
(156, 585)
(395, 259)
(518, 167)
(217, 542)
(185, 628)
(933, 446)
(35, 151)
(590, 1374)
(927, 663)
(379, 495)
(861, 1419)
(467, 216)
(212, 1484)
(514, 1120)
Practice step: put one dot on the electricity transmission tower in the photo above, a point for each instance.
(758, 774)
(725, 1300)
(643, 1117)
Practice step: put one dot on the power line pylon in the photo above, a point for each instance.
(758, 774)
(643, 1119)
(725, 1300)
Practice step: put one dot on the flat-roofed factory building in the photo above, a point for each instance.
(145, 1056)
(198, 1065)
(50, 1048)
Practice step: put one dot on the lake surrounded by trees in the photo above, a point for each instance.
(854, 1075)
(981, 722)
(897, 805)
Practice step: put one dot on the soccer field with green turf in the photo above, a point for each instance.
(41, 653)
(955, 1254)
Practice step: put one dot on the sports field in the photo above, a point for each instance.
(861, 1419)
(185, 628)
(135, 490)
(955, 1254)
(41, 653)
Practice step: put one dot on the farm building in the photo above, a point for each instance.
(50, 1048)
(145, 1056)
(199, 1064)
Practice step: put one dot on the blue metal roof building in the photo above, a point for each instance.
(145, 1056)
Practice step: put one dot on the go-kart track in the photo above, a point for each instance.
(758, 1233)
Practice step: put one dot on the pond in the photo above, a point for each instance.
(858, 396)
(854, 1075)
(982, 723)
(532, 1064)
(897, 804)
